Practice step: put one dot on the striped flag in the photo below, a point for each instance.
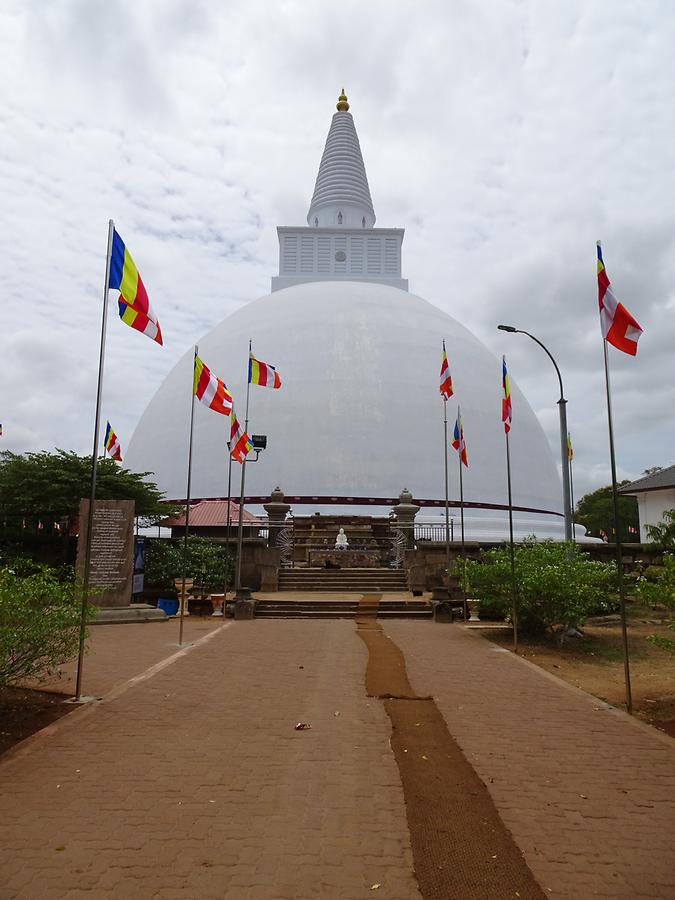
(112, 444)
(459, 442)
(262, 373)
(507, 411)
(618, 327)
(210, 390)
(240, 444)
(446, 377)
(570, 451)
(134, 306)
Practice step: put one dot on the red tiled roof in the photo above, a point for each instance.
(210, 514)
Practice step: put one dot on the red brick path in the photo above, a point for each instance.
(116, 653)
(588, 794)
(194, 784)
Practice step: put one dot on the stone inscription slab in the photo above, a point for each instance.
(112, 551)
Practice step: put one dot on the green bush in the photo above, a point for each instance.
(557, 585)
(657, 586)
(207, 563)
(663, 535)
(39, 622)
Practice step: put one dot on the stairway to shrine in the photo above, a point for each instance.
(362, 581)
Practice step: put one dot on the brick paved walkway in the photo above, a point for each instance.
(588, 795)
(116, 653)
(194, 784)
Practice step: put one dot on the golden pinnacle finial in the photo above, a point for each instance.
(342, 105)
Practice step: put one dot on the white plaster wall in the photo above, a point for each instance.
(651, 506)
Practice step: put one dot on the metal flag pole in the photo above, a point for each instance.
(183, 599)
(617, 537)
(447, 501)
(569, 462)
(94, 466)
(229, 516)
(240, 530)
(512, 550)
(461, 509)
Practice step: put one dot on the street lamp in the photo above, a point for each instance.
(562, 409)
(259, 443)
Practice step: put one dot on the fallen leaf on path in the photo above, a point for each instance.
(374, 887)
(336, 713)
(424, 757)
(302, 726)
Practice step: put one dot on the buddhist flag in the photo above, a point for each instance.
(134, 306)
(240, 444)
(507, 411)
(112, 444)
(570, 451)
(618, 327)
(446, 377)
(210, 390)
(262, 373)
(458, 441)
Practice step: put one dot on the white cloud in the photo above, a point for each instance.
(505, 137)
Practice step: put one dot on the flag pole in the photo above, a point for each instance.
(183, 599)
(461, 511)
(94, 466)
(229, 515)
(447, 501)
(240, 530)
(512, 551)
(617, 537)
(569, 460)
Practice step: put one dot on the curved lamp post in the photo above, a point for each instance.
(562, 409)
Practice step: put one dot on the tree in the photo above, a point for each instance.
(596, 512)
(207, 563)
(557, 584)
(39, 622)
(50, 485)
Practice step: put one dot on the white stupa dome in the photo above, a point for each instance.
(359, 415)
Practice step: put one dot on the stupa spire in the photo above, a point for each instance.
(341, 194)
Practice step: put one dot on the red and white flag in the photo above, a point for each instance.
(240, 444)
(446, 378)
(618, 327)
(210, 389)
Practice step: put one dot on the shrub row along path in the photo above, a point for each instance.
(194, 783)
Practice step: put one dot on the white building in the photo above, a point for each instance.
(359, 415)
(655, 494)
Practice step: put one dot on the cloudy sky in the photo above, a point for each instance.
(506, 136)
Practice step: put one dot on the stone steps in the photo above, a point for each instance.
(339, 609)
(343, 580)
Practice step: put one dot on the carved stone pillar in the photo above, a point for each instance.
(405, 511)
(276, 510)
